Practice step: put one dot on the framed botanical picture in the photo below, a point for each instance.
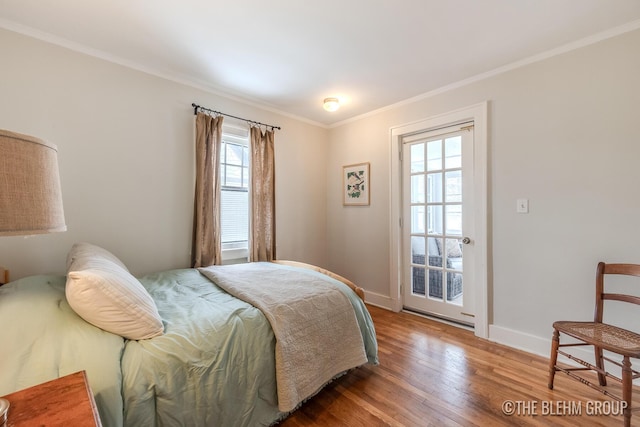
(355, 185)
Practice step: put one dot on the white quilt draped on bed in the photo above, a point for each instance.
(317, 338)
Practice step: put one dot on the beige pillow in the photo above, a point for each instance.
(453, 248)
(101, 291)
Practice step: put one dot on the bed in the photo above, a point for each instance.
(216, 360)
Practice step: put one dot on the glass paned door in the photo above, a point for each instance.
(436, 211)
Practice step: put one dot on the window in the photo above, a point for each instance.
(234, 197)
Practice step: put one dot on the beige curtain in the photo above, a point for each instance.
(262, 238)
(206, 223)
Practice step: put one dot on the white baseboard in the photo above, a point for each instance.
(520, 340)
(382, 301)
(535, 344)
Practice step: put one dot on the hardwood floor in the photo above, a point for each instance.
(432, 374)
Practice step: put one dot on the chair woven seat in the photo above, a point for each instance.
(601, 336)
(609, 337)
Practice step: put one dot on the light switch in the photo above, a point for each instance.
(522, 206)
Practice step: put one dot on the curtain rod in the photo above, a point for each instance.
(195, 112)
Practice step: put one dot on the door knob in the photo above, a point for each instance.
(466, 240)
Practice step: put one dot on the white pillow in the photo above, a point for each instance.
(86, 253)
(101, 291)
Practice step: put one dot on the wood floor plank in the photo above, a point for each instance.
(433, 374)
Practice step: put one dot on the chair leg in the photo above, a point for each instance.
(627, 387)
(553, 358)
(602, 379)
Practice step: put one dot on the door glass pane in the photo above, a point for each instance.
(434, 155)
(417, 250)
(435, 284)
(434, 219)
(433, 248)
(417, 189)
(434, 187)
(454, 220)
(417, 158)
(453, 152)
(454, 253)
(417, 219)
(454, 288)
(434, 261)
(417, 280)
(453, 186)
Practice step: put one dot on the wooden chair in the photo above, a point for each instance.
(601, 336)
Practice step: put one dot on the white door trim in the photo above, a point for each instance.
(477, 113)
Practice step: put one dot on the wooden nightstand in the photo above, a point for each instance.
(4, 276)
(66, 401)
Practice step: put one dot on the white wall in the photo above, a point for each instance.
(563, 133)
(125, 149)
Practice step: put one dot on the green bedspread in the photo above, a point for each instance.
(44, 339)
(214, 366)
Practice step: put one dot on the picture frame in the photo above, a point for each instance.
(356, 185)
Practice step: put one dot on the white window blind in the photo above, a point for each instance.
(234, 218)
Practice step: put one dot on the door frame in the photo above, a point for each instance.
(478, 114)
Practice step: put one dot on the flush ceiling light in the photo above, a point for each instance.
(331, 104)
